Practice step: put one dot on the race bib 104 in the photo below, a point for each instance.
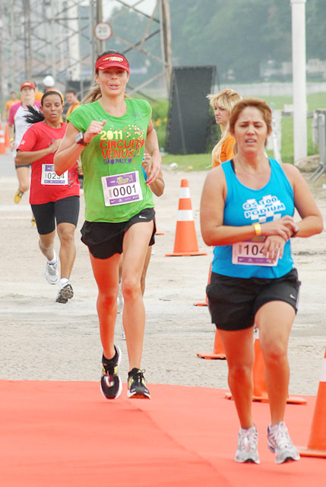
(121, 189)
(250, 252)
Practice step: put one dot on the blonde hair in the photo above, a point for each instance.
(226, 99)
(93, 94)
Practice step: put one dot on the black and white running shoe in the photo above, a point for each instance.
(137, 385)
(111, 385)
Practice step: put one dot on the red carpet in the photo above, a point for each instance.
(65, 434)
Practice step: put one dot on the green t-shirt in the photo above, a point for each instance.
(114, 185)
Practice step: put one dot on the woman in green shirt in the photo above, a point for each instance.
(109, 132)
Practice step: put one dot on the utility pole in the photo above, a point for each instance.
(166, 41)
(299, 78)
(27, 39)
(99, 19)
(53, 40)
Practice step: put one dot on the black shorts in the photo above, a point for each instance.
(233, 302)
(46, 215)
(105, 239)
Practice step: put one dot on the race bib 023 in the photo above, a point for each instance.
(50, 177)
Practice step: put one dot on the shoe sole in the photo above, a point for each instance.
(288, 459)
(120, 383)
(248, 460)
(67, 292)
(138, 395)
(61, 300)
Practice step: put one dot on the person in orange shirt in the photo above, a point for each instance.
(72, 100)
(12, 100)
(223, 103)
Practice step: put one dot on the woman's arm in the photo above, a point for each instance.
(152, 147)
(28, 157)
(69, 152)
(11, 136)
(158, 185)
(311, 220)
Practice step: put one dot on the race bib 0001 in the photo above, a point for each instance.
(121, 189)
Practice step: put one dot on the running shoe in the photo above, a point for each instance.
(111, 385)
(65, 293)
(247, 446)
(52, 272)
(136, 385)
(279, 442)
(18, 196)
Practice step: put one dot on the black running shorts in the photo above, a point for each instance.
(105, 239)
(233, 302)
(46, 215)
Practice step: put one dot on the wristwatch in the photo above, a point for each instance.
(79, 139)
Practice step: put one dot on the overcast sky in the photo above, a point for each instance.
(145, 6)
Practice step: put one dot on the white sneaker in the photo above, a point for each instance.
(279, 442)
(52, 271)
(247, 446)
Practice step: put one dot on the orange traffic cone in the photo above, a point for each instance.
(2, 140)
(205, 303)
(260, 390)
(218, 352)
(7, 139)
(185, 243)
(317, 441)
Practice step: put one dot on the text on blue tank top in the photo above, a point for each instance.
(245, 206)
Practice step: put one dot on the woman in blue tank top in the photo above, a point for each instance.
(247, 214)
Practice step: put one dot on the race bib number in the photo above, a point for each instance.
(121, 189)
(50, 177)
(250, 252)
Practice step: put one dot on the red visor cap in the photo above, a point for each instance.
(112, 61)
(29, 84)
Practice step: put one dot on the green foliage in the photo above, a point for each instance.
(190, 162)
(160, 110)
(239, 36)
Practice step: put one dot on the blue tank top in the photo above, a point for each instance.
(244, 206)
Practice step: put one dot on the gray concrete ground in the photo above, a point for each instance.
(44, 340)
